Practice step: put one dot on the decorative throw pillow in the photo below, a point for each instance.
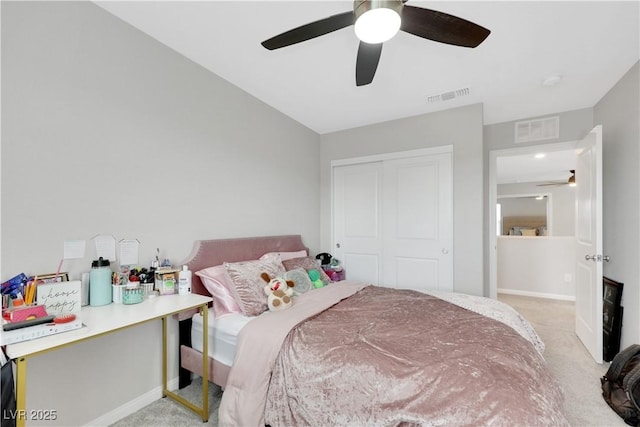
(307, 263)
(249, 286)
(220, 286)
(300, 278)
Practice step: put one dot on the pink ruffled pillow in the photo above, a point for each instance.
(220, 286)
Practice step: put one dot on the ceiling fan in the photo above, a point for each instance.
(377, 21)
(571, 181)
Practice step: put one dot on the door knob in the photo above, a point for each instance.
(338, 245)
(605, 258)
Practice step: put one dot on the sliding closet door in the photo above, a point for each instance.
(393, 221)
(418, 223)
(357, 191)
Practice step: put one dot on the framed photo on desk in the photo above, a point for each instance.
(51, 278)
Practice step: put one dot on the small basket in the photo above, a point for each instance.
(132, 295)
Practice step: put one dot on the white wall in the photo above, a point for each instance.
(105, 130)
(619, 113)
(537, 266)
(429, 130)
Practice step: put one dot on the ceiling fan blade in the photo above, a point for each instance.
(367, 62)
(310, 31)
(442, 27)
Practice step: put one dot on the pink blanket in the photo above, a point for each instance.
(386, 357)
(259, 343)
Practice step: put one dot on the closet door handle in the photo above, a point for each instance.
(590, 257)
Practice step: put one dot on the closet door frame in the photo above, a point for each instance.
(442, 149)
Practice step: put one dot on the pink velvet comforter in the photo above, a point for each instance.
(384, 357)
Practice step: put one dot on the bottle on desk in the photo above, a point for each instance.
(100, 283)
(184, 281)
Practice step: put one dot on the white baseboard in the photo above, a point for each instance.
(537, 294)
(133, 405)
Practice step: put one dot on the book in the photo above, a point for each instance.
(38, 331)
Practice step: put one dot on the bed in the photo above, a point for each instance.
(524, 226)
(352, 353)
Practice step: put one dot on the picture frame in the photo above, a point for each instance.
(51, 278)
(612, 291)
(612, 312)
(608, 317)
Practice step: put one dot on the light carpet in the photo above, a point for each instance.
(554, 320)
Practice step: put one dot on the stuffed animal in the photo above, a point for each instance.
(314, 275)
(278, 292)
(324, 258)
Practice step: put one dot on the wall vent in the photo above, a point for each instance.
(537, 129)
(446, 96)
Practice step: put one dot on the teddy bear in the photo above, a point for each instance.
(278, 292)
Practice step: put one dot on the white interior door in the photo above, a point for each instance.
(418, 225)
(357, 203)
(589, 243)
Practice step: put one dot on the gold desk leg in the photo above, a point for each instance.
(164, 356)
(204, 410)
(205, 364)
(21, 391)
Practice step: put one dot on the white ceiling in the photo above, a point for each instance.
(590, 44)
(555, 166)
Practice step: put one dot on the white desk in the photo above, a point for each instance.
(111, 318)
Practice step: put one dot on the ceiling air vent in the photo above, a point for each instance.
(446, 96)
(538, 129)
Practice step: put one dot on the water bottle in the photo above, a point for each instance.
(100, 282)
(184, 281)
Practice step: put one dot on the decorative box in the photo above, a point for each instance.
(166, 280)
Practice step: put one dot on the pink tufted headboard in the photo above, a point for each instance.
(208, 253)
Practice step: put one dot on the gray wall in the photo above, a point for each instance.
(619, 113)
(574, 125)
(106, 130)
(562, 204)
(500, 136)
(430, 130)
(522, 205)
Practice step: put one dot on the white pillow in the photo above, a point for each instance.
(285, 255)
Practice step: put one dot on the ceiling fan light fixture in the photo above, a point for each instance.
(377, 21)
